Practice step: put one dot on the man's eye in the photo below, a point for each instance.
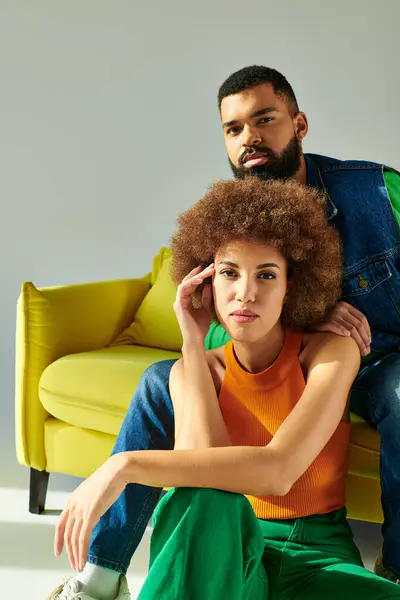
(233, 130)
(264, 120)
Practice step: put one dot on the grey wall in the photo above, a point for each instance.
(109, 126)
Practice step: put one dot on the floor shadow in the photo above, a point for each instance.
(368, 538)
(52, 512)
(30, 546)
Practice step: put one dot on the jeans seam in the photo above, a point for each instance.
(374, 403)
(152, 494)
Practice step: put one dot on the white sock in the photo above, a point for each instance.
(98, 582)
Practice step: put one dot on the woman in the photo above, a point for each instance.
(266, 416)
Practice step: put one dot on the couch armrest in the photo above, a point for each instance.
(54, 322)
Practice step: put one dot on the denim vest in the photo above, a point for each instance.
(360, 210)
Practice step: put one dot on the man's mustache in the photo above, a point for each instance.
(252, 150)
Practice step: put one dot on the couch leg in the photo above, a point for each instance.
(38, 490)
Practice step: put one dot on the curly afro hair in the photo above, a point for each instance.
(285, 214)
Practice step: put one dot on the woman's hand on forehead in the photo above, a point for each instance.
(194, 322)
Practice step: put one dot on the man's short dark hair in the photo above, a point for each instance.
(249, 77)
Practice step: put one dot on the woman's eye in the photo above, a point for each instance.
(267, 276)
(228, 273)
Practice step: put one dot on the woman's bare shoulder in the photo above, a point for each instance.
(314, 343)
(216, 363)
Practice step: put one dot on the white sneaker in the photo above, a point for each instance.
(72, 590)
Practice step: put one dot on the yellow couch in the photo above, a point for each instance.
(80, 352)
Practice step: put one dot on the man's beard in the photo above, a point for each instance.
(278, 166)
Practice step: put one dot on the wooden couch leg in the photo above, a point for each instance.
(38, 489)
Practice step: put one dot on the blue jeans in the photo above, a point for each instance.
(376, 398)
(149, 424)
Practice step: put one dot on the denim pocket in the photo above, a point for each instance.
(362, 281)
(374, 289)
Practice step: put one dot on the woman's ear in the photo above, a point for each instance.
(286, 296)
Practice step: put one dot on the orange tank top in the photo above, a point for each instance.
(254, 406)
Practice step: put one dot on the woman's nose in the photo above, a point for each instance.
(245, 291)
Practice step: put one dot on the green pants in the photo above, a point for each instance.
(208, 545)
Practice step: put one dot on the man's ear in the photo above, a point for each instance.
(300, 126)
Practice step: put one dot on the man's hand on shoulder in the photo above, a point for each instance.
(347, 321)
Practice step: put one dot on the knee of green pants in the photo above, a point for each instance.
(231, 514)
(202, 499)
(205, 521)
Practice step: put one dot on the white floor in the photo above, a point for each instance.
(28, 568)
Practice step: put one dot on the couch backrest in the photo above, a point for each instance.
(155, 323)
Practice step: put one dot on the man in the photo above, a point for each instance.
(263, 131)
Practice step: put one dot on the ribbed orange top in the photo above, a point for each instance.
(254, 406)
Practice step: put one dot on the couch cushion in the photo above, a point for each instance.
(364, 449)
(75, 450)
(155, 323)
(93, 389)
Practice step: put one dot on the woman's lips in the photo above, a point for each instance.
(243, 317)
